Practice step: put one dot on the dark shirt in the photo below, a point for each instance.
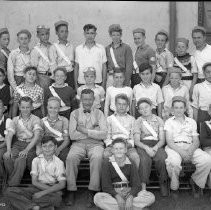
(205, 135)
(109, 176)
(3, 59)
(5, 95)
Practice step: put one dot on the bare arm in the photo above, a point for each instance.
(160, 107)
(104, 75)
(33, 140)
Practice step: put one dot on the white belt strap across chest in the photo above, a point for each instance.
(180, 65)
(113, 58)
(25, 129)
(62, 54)
(54, 93)
(135, 65)
(150, 129)
(4, 53)
(42, 54)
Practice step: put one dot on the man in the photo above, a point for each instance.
(143, 54)
(119, 55)
(183, 145)
(87, 129)
(90, 54)
(202, 54)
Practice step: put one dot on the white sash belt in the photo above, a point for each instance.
(113, 58)
(151, 130)
(180, 65)
(62, 54)
(42, 54)
(4, 53)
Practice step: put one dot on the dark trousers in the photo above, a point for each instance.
(202, 116)
(70, 79)
(137, 114)
(15, 166)
(146, 163)
(63, 154)
(21, 198)
(135, 79)
(2, 170)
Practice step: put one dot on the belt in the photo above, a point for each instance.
(182, 142)
(120, 185)
(187, 78)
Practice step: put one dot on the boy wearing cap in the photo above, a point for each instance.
(121, 125)
(91, 54)
(19, 59)
(148, 89)
(61, 53)
(186, 63)
(90, 77)
(121, 183)
(164, 59)
(203, 50)
(119, 55)
(48, 181)
(143, 54)
(40, 56)
(183, 145)
(201, 96)
(149, 138)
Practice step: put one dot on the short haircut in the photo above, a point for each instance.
(198, 31)
(119, 70)
(46, 139)
(89, 26)
(115, 30)
(145, 66)
(87, 91)
(2, 71)
(142, 100)
(119, 140)
(57, 27)
(60, 69)
(122, 96)
(5, 32)
(55, 99)
(173, 102)
(29, 68)
(206, 65)
(161, 33)
(26, 99)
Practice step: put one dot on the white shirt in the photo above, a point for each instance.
(94, 57)
(201, 58)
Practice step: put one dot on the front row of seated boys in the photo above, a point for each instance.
(123, 179)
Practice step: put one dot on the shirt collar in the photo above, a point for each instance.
(206, 82)
(49, 120)
(20, 117)
(120, 44)
(143, 46)
(144, 85)
(82, 109)
(65, 85)
(116, 114)
(2, 86)
(164, 50)
(186, 118)
(42, 156)
(95, 45)
(67, 44)
(19, 51)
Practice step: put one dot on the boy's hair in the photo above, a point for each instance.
(26, 99)
(46, 139)
(144, 100)
(88, 69)
(54, 99)
(206, 65)
(119, 140)
(89, 26)
(60, 69)
(198, 30)
(161, 33)
(57, 27)
(122, 96)
(2, 71)
(25, 31)
(179, 99)
(87, 91)
(29, 68)
(145, 66)
(4, 32)
(119, 70)
(114, 28)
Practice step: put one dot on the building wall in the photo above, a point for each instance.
(152, 16)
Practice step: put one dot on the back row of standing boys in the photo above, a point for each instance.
(36, 81)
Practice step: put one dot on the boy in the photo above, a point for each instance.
(149, 138)
(121, 124)
(183, 145)
(19, 59)
(117, 88)
(201, 96)
(119, 55)
(87, 129)
(31, 89)
(90, 76)
(27, 128)
(89, 54)
(120, 182)
(48, 179)
(186, 63)
(4, 51)
(164, 59)
(57, 126)
(40, 56)
(63, 91)
(147, 89)
(62, 53)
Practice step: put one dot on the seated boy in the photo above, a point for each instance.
(89, 77)
(57, 126)
(63, 91)
(31, 89)
(48, 179)
(183, 145)
(120, 182)
(121, 124)
(149, 138)
(27, 129)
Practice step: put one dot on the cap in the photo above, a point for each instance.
(200, 28)
(179, 98)
(3, 30)
(163, 32)
(144, 66)
(25, 31)
(139, 30)
(183, 40)
(114, 27)
(61, 22)
(42, 27)
(144, 100)
(174, 70)
(205, 65)
(89, 69)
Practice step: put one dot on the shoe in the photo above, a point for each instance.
(70, 198)
(90, 199)
(196, 190)
(164, 189)
(175, 194)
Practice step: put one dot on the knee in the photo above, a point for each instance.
(71, 158)
(97, 157)
(174, 161)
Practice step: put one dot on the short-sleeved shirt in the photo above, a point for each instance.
(48, 172)
(93, 57)
(183, 133)
(99, 94)
(156, 123)
(153, 92)
(18, 126)
(201, 58)
(164, 60)
(201, 95)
